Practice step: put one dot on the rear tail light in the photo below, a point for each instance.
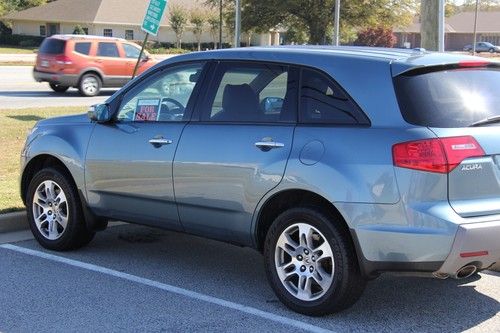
(63, 60)
(440, 155)
(473, 63)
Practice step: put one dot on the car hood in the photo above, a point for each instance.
(71, 119)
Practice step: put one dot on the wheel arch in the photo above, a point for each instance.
(286, 199)
(38, 163)
(91, 71)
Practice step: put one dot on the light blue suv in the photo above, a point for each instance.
(337, 163)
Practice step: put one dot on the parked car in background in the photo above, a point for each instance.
(88, 62)
(483, 47)
(337, 164)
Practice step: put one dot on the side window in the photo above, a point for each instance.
(252, 93)
(323, 101)
(107, 50)
(83, 48)
(164, 97)
(131, 51)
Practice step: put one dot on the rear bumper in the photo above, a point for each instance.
(476, 244)
(70, 80)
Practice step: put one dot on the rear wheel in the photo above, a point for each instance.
(58, 88)
(90, 85)
(54, 212)
(492, 50)
(311, 263)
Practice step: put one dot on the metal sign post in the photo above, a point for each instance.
(151, 24)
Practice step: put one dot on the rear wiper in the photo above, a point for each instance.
(486, 121)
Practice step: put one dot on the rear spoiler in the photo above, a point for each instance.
(424, 69)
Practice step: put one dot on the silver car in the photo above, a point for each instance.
(337, 164)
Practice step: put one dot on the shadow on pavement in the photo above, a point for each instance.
(390, 303)
(30, 117)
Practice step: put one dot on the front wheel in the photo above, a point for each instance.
(311, 263)
(90, 85)
(54, 212)
(58, 88)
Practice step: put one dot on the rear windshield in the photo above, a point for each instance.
(52, 46)
(449, 98)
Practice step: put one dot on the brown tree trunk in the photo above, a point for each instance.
(429, 11)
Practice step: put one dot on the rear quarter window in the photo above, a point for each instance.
(83, 47)
(449, 98)
(52, 46)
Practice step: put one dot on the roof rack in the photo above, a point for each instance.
(72, 36)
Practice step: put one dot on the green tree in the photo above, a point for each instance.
(178, 20)
(198, 21)
(213, 22)
(79, 30)
(316, 15)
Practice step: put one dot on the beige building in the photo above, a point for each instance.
(116, 18)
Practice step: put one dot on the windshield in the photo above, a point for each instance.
(449, 98)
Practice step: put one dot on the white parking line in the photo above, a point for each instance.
(169, 288)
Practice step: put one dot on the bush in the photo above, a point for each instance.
(16, 40)
(381, 37)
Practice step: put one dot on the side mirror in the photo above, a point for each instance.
(99, 113)
(145, 58)
(272, 105)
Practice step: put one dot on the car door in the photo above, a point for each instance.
(237, 151)
(128, 168)
(112, 64)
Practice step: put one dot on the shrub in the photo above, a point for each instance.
(380, 36)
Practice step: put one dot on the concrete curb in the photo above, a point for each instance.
(13, 222)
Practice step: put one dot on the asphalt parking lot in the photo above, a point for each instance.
(134, 278)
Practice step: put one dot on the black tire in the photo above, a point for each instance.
(491, 50)
(83, 87)
(58, 88)
(348, 283)
(76, 234)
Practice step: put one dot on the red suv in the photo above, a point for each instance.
(87, 62)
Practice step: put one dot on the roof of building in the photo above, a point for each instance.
(487, 22)
(122, 12)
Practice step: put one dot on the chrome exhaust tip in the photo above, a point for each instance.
(465, 272)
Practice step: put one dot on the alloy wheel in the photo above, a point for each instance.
(50, 210)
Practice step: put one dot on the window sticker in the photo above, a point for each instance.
(147, 110)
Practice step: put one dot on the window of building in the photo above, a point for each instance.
(129, 34)
(43, 30)
(83, 48)
(108, 32)
(107, 50)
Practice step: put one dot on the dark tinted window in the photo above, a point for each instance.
(322, 101)
(52, 46)
(253, 93)
(450, 98)
(107, 50)
(83, 48)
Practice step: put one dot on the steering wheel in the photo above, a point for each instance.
(171, 113)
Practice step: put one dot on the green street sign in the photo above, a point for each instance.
(154, 14)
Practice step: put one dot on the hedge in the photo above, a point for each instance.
(21, 40)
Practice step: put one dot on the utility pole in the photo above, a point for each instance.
(336, 31)
(220, 24)
(429, 11)
(237, 24)
(441, 35)
(475, 29)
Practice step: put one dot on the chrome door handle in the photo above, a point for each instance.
(268, 145)
(158, 142)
